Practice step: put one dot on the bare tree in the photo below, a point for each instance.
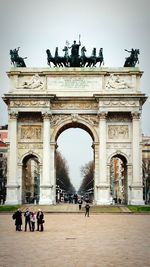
(87, 172)
(62, 174)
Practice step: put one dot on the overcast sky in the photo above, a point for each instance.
(36, 25)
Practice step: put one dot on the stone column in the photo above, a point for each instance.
(13, 186)
(53, 171)
(45, 185)
(103, 194)
(136, 184)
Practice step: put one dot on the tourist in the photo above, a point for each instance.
(33, 219)
(17, 216)
(87, 209)
(27, 216)
(80, 203)
(41, 221)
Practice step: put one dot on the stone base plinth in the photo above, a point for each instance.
(103, 195)
(46, 195)
(12, 197)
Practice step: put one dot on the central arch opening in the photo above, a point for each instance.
(75, 151)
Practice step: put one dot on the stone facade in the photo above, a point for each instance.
(105, 102)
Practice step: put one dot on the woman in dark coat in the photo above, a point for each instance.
(18, 219)
(40, 220)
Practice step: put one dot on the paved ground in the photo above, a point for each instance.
(72, 240)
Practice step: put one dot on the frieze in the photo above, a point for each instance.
(118, 131)
(30, 132)
(30, 146)
(120, 103)
(29, 103)
(74, 106)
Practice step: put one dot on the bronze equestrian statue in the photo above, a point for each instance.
(133, 58)
(16, 60)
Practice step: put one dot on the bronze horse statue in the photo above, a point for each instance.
(133, 58)
(50, 58)
(56, 60)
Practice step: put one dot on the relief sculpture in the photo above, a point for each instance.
(34, 83)
(115, 82)
(118, 131)
(30, 132)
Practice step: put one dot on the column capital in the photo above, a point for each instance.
(136, 115)
(13, 115)
(46, 115)
(102, 115)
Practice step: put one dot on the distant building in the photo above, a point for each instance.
(146, 168)
(3, 162)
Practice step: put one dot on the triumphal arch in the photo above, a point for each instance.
(105, 102)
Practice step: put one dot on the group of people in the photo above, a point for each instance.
(31, 219)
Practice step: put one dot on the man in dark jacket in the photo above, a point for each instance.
(27, 216)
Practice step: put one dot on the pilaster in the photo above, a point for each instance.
(103, 194)
(12, 183)
(136, 185)
(46, 186)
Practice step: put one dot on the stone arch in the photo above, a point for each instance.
(118, 152)
(118, 178)
(30, 153)
(74, 123)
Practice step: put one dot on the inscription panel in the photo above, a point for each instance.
(74, 83)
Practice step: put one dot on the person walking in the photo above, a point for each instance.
(33, 219)
(87, 209)
(80, 203)
(27, 216)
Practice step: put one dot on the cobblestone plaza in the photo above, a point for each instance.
(72, 240)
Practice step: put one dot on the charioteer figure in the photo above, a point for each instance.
(133, 58)
(16, 60)
(74, 62)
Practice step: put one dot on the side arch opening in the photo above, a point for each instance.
(30, 179)
(118, 179)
